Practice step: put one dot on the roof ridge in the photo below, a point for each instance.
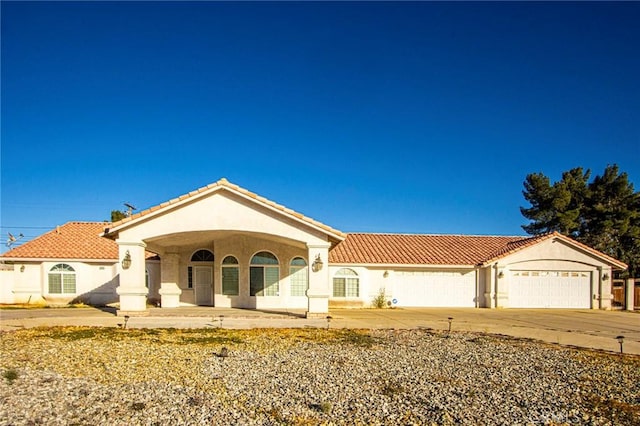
(224, 183)
(515, 246)
(440, 235)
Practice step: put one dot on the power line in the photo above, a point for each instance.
(29, 227)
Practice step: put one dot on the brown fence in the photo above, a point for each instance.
(618, 290)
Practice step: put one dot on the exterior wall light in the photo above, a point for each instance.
(126, 262)
(386, 274)
(501, 274)
(605, 277)
(317, 264)
(22, 268)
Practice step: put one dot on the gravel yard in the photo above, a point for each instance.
(67, 376)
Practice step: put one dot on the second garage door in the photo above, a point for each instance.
(550, 289)
(435, 289)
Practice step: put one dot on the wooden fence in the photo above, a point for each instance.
(618, 290)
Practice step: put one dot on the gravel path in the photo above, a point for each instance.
(159, 377)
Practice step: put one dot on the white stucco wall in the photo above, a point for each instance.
(243, 248)
(96, 283)
(492, 282)
(27, 283)
(226, 224)
(220, 211)
(6, 284)
(555, 255)
(153, 269)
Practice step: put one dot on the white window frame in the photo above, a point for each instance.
(298, 277)
(350, 281)
(227, 267)
(268, 269)
(63, 270)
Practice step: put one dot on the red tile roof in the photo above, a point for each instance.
(408, 249)
(412, 249)
(73, 240)
(82, 240)
(225, 184)
(519, 245)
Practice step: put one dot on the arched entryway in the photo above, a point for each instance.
(236, 225)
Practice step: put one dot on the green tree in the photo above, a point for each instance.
(117, 215)
(555, 207)
(612, 217)
(604, 213)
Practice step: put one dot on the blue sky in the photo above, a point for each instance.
(372, 117)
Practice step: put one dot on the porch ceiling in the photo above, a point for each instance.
(163, 243)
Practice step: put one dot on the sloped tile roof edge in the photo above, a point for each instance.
(404, 265)
(440, 250)
(417, 249)
(40, 248)
(47, 246)
(223, 183)
(531, 241)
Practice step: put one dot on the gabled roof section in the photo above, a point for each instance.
(528, 242)
(222, 184)
(71, 241)
(414, 249)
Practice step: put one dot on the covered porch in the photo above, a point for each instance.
(220, 246)
(234, 270)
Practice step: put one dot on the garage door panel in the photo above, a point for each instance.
(435, 289)
(550, 289)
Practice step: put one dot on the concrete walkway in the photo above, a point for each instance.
(582, 328)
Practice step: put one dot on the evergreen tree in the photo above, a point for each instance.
(555, 207)
(538, 192)
(612, 217)
(117, 215)
(604, 214)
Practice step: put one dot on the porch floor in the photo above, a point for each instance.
(216, 312)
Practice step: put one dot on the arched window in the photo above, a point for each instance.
(202, 256)
(62, 279)
(230, 276)
(299, 278)
(346, 283)
(264, 275)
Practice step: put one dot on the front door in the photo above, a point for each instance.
(203, 285)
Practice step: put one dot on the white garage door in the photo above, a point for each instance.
(435, 289)
(550, 289)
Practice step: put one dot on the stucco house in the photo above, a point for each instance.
(222, 245)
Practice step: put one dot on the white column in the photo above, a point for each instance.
(132, 290)
(169, 274)
(502, 289)
(604, 288)
(595, 284)
(629, 294)
(319, 289)
(487, 279)
(492, 284)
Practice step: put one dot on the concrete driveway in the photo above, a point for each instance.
(583, 328)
